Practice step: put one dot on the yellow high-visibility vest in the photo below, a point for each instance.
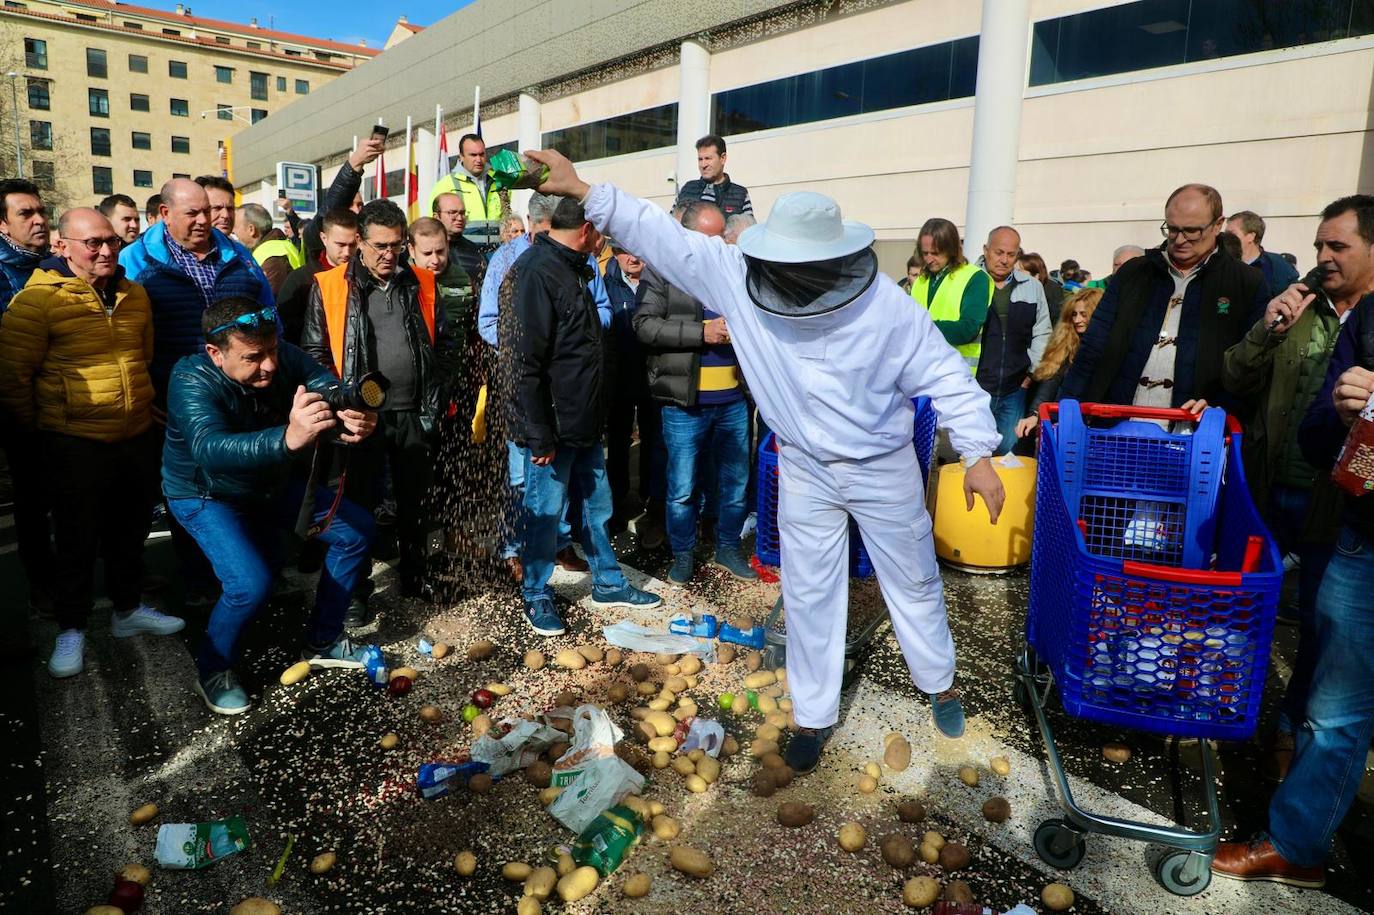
(948, 298)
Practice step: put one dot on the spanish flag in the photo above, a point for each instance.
(412, 183)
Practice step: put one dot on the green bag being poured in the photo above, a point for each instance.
(512, 171)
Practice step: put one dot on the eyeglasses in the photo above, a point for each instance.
(250, 321)
(393, 248)
(1189, 233)
(93, 245)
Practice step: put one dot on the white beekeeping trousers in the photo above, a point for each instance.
(886, 497)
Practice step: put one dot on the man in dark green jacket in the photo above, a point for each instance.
(238, 415)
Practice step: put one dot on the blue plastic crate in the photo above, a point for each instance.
(1145, 645)
(767, 545)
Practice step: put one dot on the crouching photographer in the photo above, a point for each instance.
(240, 415)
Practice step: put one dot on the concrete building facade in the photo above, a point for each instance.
(873, 102)
(114, 98)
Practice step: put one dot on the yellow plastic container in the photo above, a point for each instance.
(966, 539)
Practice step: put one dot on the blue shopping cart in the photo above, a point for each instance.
(768, 547)
(1154, 586)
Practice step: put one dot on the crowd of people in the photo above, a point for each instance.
(247, 372)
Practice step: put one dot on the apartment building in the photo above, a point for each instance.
(107, 97)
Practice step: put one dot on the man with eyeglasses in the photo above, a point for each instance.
(451, 212)
(185, 263)
(1158, 337)
(374, 315)
(74, 352)
(241, 413)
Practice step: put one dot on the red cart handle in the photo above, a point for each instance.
(1180, 576)
(1048, 411)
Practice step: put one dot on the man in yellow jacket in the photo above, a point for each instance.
(471, 181)
(74, 352)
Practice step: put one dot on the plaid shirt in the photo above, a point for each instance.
(202, 272)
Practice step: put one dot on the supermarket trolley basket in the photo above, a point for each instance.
(1154, 586)
(768, 544)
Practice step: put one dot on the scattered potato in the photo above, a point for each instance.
(696, 784)
(690, 861)
(295, 673)
(725, 654)
(535, 660)
(675, 685)
(549, 795)
(954, 856)
(516, 870)
(969, 776)
(136, 873)
(873, 769)
(440, 651)
(593, 653)
(410, 672)
(617, 693)
(567, 698)
(1057, 897)
(897, 850)
(996, 810)
(897, 755)
(666, 744)
(465, 863)
(104, 910)
(761, 748)
(867, 784)
(565, 865)
(662, 760)
(480, 783)
(729, 747)
(639, 672)
(646, 688)
(852, 837)
(928, 853)
(638, 805)
(539, 773)
(323, 863)
(665, 828)
(656, 809)
(957, 891)
(528, 905)
(911, 811)
(753, 661)
(768, 732)
(569, 659)
(256, 905)
(431, 714)
(697, 755)
(1114, 752)
(764, 783)
(767, 704)
(498, 689)
(578, 885)
(708, 769)
(637, 885)
(934, 838)
(143, 814)
(690, 664)
(665, 658)
(555, 752)
(481, 724)
(919, 892)
(1000, 765)
(794, 814)
(759, 679)
(684, 766)
(663, 723)
(891, 736)
(540, 883)
(480, 651)
(772, 761)
(614, 656)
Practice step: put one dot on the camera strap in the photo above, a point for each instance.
(306, 525)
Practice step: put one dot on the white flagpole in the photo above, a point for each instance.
(405, 185)
(476, 107)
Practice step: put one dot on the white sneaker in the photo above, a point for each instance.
(68, 654)
(144, 619)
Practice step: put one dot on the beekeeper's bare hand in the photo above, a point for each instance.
(983, 480)
(1352, 393)
(562, 180)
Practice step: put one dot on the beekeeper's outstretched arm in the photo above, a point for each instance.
(705, 268)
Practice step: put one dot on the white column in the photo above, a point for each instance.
(1002, 47)
(693, 107)
(531, 136)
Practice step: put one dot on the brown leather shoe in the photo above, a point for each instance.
(568, 560)
(515, 569)
(1257, 860)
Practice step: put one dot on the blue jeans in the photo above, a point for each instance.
(1007, 411)
(516, 459)
(546, 508)
(242, 545)
(722, 432)
(1332, 742)
(1287, 515)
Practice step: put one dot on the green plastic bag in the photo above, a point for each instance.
(510, 170)
(605, 843)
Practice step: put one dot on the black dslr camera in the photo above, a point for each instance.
(366, 395)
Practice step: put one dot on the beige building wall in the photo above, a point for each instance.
(69, 83)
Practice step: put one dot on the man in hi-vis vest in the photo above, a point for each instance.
(371, 314)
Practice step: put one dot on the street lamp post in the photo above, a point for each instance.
(18, 144)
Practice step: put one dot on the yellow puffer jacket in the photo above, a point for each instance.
(68, 366)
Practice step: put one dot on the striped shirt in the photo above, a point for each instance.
(718, 381)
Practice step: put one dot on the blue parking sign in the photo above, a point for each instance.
(299, 181)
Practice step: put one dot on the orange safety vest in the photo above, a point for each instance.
(334, 295)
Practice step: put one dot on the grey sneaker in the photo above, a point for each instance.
(68, 654)
(733, 561)
(684, 564)
(144, 620)
(343, 653)
(222, 693)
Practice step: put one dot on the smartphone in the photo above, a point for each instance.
(380, 131)
(281, 194)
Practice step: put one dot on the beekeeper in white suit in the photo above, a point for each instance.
(834, 353)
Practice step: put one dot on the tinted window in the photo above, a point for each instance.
(35, 53)
(180, 108)
(102, 179)
(176, 69)
(281, 83)
(40, 134)
(143, 178)
(258, 114)
(95, 63)
(224, 112)
(99, 102)
(1160, 33)
(38, 95)
(138, 63)
(257, 84)
(224, 74)
(181, 144)
(651, 128)
(138, 102)
(934, 73)
(302, 87)
(100, 141)
(140, 140)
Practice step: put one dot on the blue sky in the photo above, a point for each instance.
(347, 20)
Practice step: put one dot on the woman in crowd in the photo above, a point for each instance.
(1034, 264)
(1073, 321)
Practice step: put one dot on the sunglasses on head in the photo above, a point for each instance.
(250, 321)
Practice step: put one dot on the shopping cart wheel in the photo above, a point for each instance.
(1184, 873)
(1059, 844)
(1020, 695)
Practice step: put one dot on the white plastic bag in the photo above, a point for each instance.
(706, 735)
(592, 777)
(516, 749)
(626, 634)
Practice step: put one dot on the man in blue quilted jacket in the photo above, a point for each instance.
(185, 264)
(240, 413)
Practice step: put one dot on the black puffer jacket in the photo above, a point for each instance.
(360, 348)
(556, 349)
(669, 324)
